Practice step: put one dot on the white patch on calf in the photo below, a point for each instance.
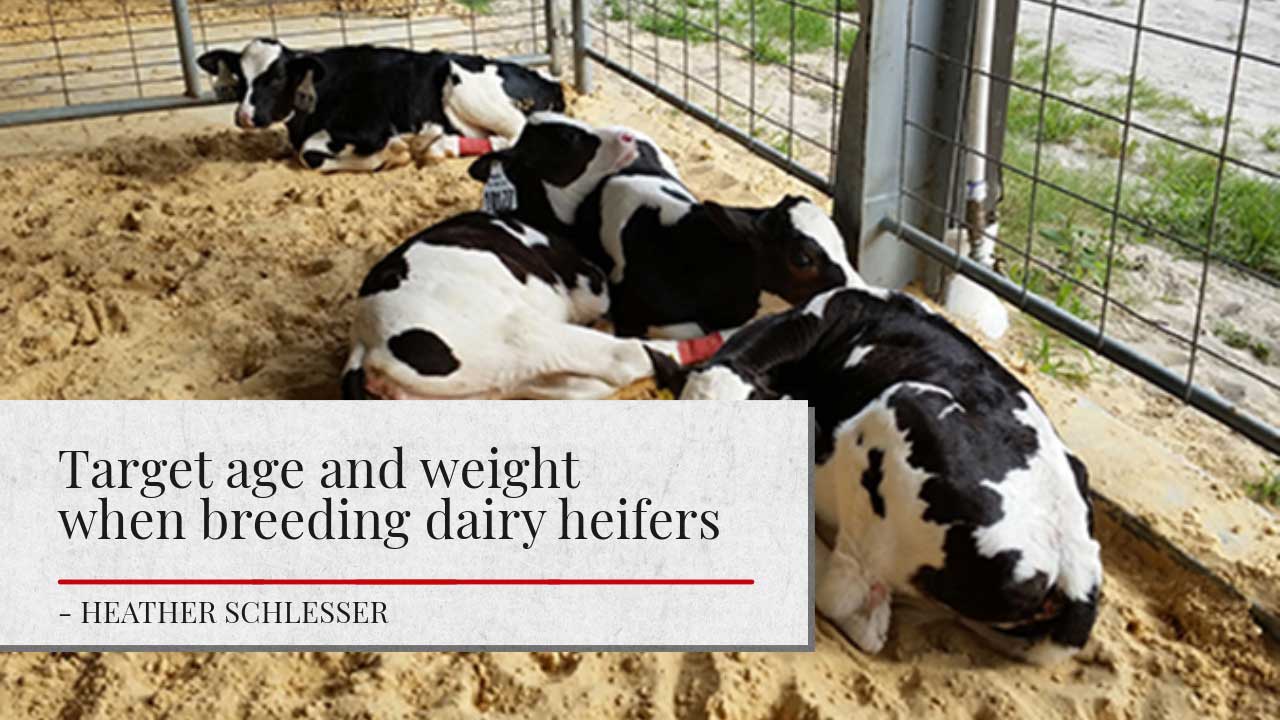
(256, 57)
(676, 331)
(478, 105)
(811, 220)
(527, 234)
(622, 197)
(817, 305)
(716, 383)
(858, 354)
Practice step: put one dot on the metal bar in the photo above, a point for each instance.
(1211, 403)
(92, 110)
(551, 14)
(703, 115)
(186, 47)
(1124, 156)
(581, 40)
(1217, 193)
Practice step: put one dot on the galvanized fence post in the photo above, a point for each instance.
(898, 109)
(581, 41)
(186, 47)
(553, 36)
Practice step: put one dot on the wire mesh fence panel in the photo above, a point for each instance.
(1141, 191)
(68, 53)
(767, 72)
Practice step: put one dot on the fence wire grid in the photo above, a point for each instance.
(768, 72)
(63, 58)
(1141, 173)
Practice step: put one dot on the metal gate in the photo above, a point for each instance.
(84, 58)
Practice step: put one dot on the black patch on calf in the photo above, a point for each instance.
(353, 385)
(423, 351)
(387, 274)
(682, 197)
(314, 158)
(871, 478)
(979, 587)
(1070, 625)
(555, 263)
(686, 272)
(1082, 484)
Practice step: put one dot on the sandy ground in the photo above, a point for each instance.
(171, 256)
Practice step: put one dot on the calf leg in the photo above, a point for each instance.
(480, 107)
(324, 153)
(853, 599)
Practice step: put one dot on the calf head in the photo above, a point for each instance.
(799, 250)
(556, 162)
(269, 81)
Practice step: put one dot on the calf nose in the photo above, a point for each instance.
(244, 118)
(627, 137)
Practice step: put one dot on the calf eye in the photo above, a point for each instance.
(801, 259)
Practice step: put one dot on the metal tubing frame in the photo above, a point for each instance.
(581, 48)
(551, 14)
(186, 47)
(194, 95)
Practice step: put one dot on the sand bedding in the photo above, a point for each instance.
(171, 256)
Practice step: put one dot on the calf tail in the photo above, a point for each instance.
(353, 376)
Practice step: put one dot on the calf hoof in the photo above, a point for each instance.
(442, 149)
(314, 159)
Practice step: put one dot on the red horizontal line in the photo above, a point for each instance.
(406, 581)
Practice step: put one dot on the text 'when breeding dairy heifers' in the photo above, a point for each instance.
(482, 306)
(677, 268)
(364, 108)
(942, 475)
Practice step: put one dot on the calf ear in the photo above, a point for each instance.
(300, 65)
(211, 61)
(304, 73)
(736, 223)
(480, 169)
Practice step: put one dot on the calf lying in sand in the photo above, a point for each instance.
(677, 268)
(942, 476)
(482, 306)
(364, 108)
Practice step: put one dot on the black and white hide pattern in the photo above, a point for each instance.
(943, 477)
(677, 268)
(558, 161)
(482, 306)
(364, 108)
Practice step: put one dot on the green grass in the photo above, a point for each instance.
(482, 7)
(1179, 200)
(1270, 138)
(1169, 189)
(1061, 358)
(1267, 488)
(680, 25)
(764, 25)
(1239, 339)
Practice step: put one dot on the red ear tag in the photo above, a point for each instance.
(468, 146)
(699, 349)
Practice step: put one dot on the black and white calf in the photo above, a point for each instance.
(943, 477)
(677, 268)
(557, 163)
(365, 107)
(483, 306)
